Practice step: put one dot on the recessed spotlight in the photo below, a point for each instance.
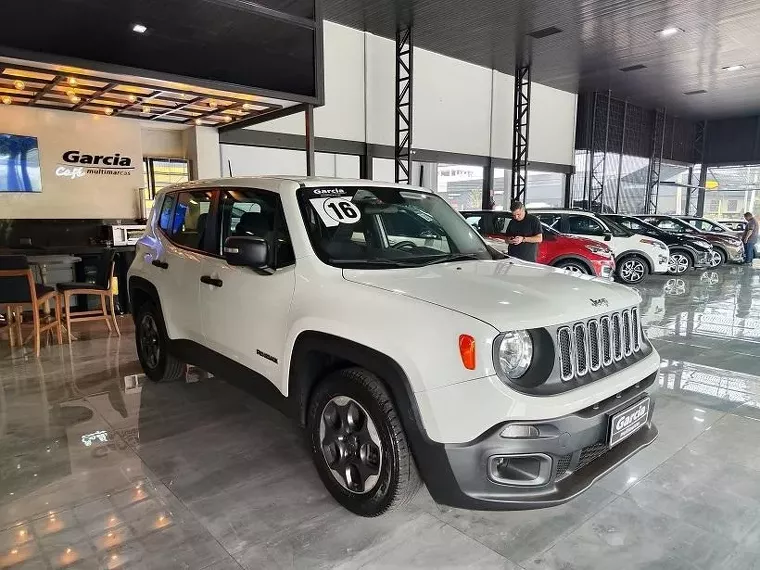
(247, 106)
(145, 109)
(108, 111)
(18, 84)
(198, 122)
(70, 93)
(695, 92)
(131, 98)
(74, 99)
(226, 118)
(72, 81)
(7, 100)
(667, 32)
(139, 29)
(633, 67)
(734, 67)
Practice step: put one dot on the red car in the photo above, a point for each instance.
(575, 254)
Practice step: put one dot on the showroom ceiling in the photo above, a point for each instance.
(603, 44)
(87, 91)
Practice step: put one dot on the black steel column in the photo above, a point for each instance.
(365, 163)
(309, 112)
(655, 163)
(487, 202)
(696, 196)
(620, 161)
(403, 102)
(599, 163)
(701, 194)
(521, 126)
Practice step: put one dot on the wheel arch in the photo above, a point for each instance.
(142, 291)
(634, 253)
(684, 249)
(572, 257)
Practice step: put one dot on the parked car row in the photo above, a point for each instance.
(623, 245)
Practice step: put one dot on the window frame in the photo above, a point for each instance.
(210, 223)
(278, 219)
(599, 222)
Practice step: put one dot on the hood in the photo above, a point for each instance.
(508, 294)
(713, 237)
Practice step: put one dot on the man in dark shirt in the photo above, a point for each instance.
(750, 237)
(523, 233)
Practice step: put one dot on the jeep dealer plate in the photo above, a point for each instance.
(624, 424)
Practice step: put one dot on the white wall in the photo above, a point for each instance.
(88, 196)
(456, 108)
(261, 161)
(162, 143)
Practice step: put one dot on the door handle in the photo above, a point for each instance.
(161, 264)
(208, 280)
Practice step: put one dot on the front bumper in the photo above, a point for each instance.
(702, 260)
(735, 254)
(604, 269)
(574, 449)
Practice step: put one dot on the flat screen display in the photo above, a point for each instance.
(19, 164)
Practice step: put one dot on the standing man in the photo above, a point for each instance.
(750, 237)
(523, 233)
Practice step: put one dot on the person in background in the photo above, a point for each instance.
(750, 237)
(523, 233)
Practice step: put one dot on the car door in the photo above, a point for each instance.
(179, 260)
(589, 227)
(244, 312)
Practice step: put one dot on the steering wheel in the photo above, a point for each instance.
(404, 244)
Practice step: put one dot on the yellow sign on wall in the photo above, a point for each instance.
(711, 184)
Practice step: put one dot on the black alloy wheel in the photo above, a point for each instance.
(153, 346)
(358, 443)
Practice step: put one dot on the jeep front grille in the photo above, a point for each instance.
(592, 345)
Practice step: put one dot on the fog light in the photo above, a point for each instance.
(526, 470)
(518, 431)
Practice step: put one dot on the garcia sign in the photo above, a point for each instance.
(77, 164)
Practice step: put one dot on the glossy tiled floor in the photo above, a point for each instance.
(99, 469)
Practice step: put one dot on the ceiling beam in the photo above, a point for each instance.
(178, 108)
(94, 96)
(45, 90)
(140, 101)
(218, 111)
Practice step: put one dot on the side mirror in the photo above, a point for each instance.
(244, 251)
(607, 236)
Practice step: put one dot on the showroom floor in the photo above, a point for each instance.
(101, 469)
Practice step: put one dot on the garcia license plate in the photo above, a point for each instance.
(624, 424)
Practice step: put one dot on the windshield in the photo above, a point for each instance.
(616, 229)
(637, 226)
(386, 227)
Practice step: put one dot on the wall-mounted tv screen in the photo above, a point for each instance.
(19, 164)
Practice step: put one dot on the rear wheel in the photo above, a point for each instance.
(358, 444)
(153, 346)
(573, 266)
(678, 263)
(632, 269)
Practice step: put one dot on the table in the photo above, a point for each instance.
(42, 262)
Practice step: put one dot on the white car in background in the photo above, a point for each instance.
(635, 255)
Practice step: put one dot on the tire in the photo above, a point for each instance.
(718, 258)
(150, 331)
(632, 269)
(352, 424)
(679, 262)
(573, 266)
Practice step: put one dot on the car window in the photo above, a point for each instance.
(188, 224)
(668, 225)
(551, 220)
(630, 224)
(500, 223)
(165, 216)
(585, 226)
(256, 213)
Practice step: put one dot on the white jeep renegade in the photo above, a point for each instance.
(409, 350)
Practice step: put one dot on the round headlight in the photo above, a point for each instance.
(515, 353)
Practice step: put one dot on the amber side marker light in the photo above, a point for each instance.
(467, 351)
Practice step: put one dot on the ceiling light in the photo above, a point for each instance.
(70, 93)
(636, 67)
(139, 28)
(7, 100)
(108, 111)
(72, 81)
(226, 118)
(18, 84)
(734, 67)
(213, 104)
(247, 106)
(544, 32)
(667, 32)
(198, 122)
(74, 99)
(132, 98)
(695, 92)
(145, 109)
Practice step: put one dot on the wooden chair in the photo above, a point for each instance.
(101, 288)
(17, 288)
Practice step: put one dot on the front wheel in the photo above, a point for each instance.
(678, 263)
(632, 269)
(717, 258)
(573, 266)
(358, 444)
(153, 346)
